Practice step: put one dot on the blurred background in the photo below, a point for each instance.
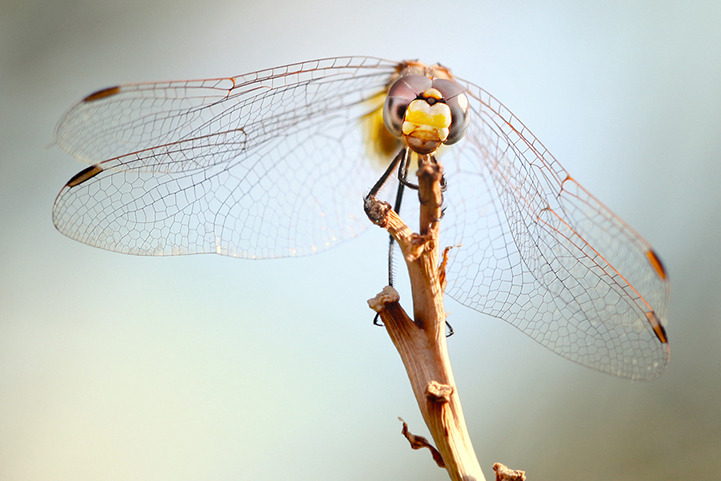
(117, 367)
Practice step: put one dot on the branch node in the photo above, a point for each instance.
(438, 393)
(417, 244)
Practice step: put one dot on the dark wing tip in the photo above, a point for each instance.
(656, 264)
(102, 93)
(658, 328)
(83, 175)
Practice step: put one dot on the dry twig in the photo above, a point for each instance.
(421, 341)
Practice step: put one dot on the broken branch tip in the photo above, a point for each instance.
(504, 473)
(383, 298)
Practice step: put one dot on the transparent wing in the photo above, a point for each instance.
(542, 253)
(268, 164)
(275, 163)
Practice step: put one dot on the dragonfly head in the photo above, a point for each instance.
(426, 112)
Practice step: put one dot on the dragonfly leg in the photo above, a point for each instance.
(400, 161)
(396, 160)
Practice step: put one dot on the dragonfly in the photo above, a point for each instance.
(277, 162)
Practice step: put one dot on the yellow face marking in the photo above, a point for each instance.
(427, 122)
(432, 94)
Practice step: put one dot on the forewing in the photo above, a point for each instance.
(543, 254)
(267, 164)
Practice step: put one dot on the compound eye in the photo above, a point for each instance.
(404, 91)
(455, 97)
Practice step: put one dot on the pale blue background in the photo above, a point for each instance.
(207, 368)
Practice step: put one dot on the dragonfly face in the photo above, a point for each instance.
(426, 112)
(275, 163)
